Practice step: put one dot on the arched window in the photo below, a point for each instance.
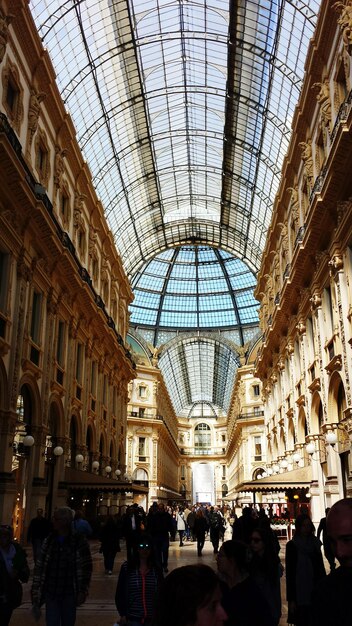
(202, 437)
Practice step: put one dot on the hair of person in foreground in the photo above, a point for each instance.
(190, 596)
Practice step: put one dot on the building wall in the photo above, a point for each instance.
(152, 428)
(304, 283)
(64, 365)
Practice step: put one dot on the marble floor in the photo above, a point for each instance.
(99, 609)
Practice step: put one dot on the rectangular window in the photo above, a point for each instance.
(257, 448)
(36, 317)
(256, 390)
(42, 156)
(223, 471)
(141, 448)
(79, 363)
(11, 96)
(114, 401)
(93, 379)
(60, 347)
(141, 412)
(142, 391)
(4, 280)
(183, 472)
(105, 390)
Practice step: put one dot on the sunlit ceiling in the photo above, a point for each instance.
(183, 112)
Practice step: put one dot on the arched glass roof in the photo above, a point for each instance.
(199, 369)
(183, 111)
(194, 287)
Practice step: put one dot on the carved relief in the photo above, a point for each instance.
(315, 300)
(11, 81)
(59, 166)
(294, 206)
(336, 263)
(342, 208)
(301, 327)
(345, 21)
(5, 21)
(307, 159)
(36, 98)
(323, 96)
(92, 239)
(78, 210)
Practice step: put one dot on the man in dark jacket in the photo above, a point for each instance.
(38, 529)
(329, 555)
(62, 573)
(332, 604)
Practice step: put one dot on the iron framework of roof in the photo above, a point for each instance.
(183, 112)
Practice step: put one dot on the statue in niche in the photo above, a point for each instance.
(294, 205)
(284, 236)
(307, 159)
(5, 21)
(323, 97)
(35, 100)
(345, 21)
(78, 209)
(59, 165)
(276, 271)
(104, 274)
(92, 242)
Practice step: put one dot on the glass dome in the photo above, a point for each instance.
(194, 288)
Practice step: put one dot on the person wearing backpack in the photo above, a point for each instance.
(215, 524)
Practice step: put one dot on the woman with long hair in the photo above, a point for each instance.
(266, 569)
(138, 582)
(243, 601)
(200, 528)
(304, 568)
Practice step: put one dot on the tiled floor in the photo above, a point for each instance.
(99, 609)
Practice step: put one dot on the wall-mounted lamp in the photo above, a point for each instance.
(296, 457)
(108, 469)
(330, 437)
(21, 443)
(58, 451)
(117, 472)
(310, 448)
(95, 465)
(79, 458)
(28, 441)
(284, 464)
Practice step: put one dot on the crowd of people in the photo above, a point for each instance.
(242, 589)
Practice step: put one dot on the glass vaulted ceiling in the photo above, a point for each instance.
(183, 112)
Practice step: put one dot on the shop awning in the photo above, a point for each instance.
(295, 479)
(79, 480)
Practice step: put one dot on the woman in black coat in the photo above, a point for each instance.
(110, 543)
(304, 568)
(200, 528)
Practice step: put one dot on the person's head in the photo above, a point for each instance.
(6, 535)
(199, 513)
(304, 526)
(62, 520)
(258, 541)
(190, 596)
(79, 514)
(339, 530)
(233, 560)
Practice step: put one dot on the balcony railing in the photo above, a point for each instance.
(203, 451)
(251, 415)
